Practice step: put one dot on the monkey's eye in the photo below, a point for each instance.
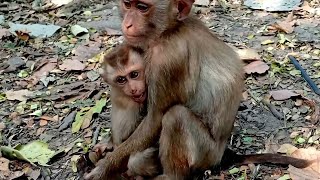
(127, 3)
(134, 74)
(142, 7)
(121, 80)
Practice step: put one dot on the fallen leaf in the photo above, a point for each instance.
(59, 3)
(266, 42)
(83, 118)
(14, 63)
(20, 95)
(86, 51)
(259, 67)
(78, 30)
(287, 149)
(2, 126)
(234, 170)
(315, 117)
(248, 54)
(280, 95)
(4, 33)
(307, 7)
(48, 118)
(93, 75)
(4, 164)
(43, 70)
(69, 65)
(74, 160)
(311, 172)
(285, 26)
(43, 122)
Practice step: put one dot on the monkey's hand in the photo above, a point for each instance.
(106, 168)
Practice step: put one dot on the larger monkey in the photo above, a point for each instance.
(194, 82)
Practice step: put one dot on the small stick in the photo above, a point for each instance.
(304, 75)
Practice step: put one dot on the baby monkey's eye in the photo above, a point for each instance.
(134, 74)
(121, 80)
(142, 7)
(127, 3)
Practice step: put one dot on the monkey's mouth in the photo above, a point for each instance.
(133, 37)
(140, 98)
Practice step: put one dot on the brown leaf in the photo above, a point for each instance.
(70, 65)
(84, 52)
(19, 95)
(248, 54)
(43, 122)
(315, 117)
(285, 26)
(4, 33)
(43, 70)
(280, 95)
(311, 172)
(259, 67)
(287, 149)
(48, 118)
(2, 126)
(4, 164)
(40, 131)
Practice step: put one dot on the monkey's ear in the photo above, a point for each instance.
(184, 8)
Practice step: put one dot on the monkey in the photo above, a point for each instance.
(194, 83)
(123, 70)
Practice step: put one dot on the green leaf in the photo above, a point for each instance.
(266, 42)
(251, 36)
(74, 160)
(37, 113)
(23, 74)
(76, 125)
(301, 140)
(83, 119)
(284, 177)
(317, 64)
(34, 152)
(247, 140)
(34, 106)
(3, 97)
(234, 170)
(295, 72)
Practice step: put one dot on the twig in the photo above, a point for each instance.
(304, 75)
(273, 109)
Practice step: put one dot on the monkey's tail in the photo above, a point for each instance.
(231, 158)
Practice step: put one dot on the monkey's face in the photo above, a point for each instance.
(143, 20)
(133, 85)
(127, 75)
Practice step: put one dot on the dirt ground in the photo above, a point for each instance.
(56, 91)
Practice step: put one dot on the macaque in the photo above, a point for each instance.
(123, 69)
(195, 83)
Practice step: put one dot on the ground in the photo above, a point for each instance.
(51, 89)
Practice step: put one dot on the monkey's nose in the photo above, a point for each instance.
(128, 26)
(133, 91)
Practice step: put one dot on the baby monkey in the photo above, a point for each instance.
(124, 70)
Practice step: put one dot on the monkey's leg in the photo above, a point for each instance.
(185, 144)
(145, 163)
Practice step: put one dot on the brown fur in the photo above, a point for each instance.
(195, 84)
(126, 114)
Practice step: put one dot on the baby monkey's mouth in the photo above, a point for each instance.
(139, 98)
